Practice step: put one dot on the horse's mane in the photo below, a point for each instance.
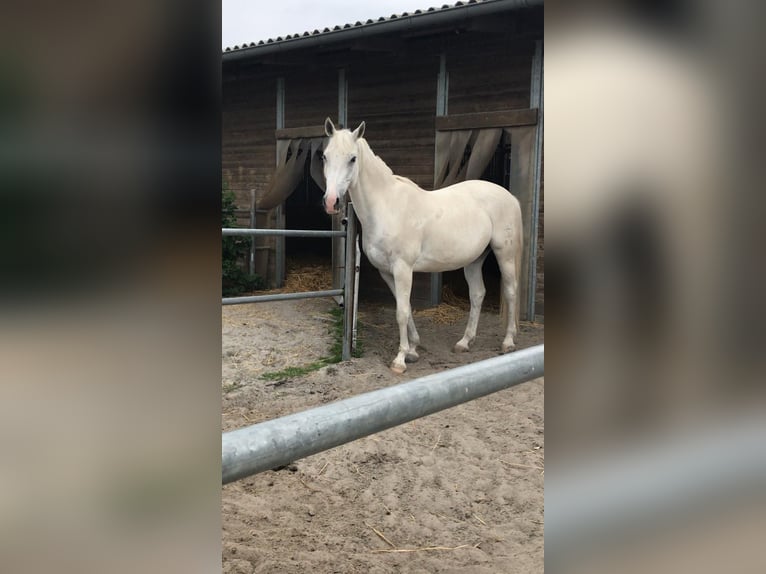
(384, 166)
(371, 155)
(409, 182)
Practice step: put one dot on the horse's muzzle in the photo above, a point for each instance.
(331, 204)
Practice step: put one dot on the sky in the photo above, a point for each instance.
(249, 21)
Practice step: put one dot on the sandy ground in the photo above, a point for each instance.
(459, 491)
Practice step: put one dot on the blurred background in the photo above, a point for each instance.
(655, 428)
(110, 287)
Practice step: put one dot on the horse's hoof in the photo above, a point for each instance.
(508, 348)
(458, 348)
(397, 369)
(411, 357)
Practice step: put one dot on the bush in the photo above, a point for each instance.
(234, 279)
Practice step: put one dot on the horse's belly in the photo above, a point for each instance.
(452, 249)
(429, 264)
(434, 250)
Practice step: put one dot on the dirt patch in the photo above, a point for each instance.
(458, 491)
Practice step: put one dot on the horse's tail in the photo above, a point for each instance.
(517, 253)
(503, 307)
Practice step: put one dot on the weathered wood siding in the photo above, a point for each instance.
(310, 96)
(489, 74)
(248, 151)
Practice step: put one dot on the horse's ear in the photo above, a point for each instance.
(329, 127)
(359, 132)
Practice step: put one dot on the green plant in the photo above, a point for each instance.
(335, 355)
(293, 372)
(234, 279)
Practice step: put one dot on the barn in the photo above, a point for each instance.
(448, 94)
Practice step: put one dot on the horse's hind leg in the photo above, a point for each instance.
(509, 286)
(403, 287)
(476, 292)
(412, 333)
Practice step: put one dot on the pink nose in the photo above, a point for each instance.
(330, 203)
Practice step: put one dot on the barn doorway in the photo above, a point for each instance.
(501, 148)
(498, 171)
(308, 260)
(303, 210)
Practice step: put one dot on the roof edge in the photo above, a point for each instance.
(410, 21)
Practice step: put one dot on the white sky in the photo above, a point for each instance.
(246, 21)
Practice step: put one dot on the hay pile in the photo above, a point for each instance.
(301, 276)
(451, 310)
(307, 277)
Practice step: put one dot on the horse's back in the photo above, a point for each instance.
(486, 196)
(487, 211)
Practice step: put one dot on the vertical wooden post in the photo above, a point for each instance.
(536, 101)
(279, 267)
(522, 186)
(338, 243)
(251, 262)
(442, 100)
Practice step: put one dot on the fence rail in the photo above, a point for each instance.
(281, 297)
(277, 442)
(350, 276)
(228, 231)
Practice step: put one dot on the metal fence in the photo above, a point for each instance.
(350, 275)
(227, 231)
(277, 442)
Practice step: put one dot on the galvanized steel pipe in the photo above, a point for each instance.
(349, 274)
(280, 297)
(277, 442)
(227, 231)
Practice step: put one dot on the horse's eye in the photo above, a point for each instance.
(322, 157)
(353, 159)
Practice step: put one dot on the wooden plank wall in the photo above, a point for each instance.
(248, 151)
(310, 96)
(249, 119)
(489, 73)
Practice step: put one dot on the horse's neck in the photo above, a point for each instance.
(375, 181)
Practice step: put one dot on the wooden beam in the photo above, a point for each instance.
(302, 132)
(503, 119)
(382, 45)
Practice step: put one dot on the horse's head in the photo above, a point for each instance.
(340, 166)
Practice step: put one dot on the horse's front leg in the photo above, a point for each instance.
(412, 333)
(402, 286)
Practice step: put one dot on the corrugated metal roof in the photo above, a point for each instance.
(370, 23)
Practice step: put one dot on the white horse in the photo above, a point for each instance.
(406, 229)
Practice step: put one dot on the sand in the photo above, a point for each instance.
(458, 491)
